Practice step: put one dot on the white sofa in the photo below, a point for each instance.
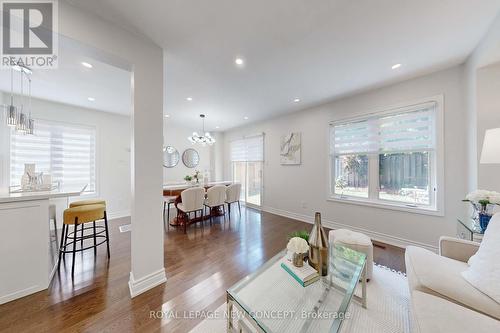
(442, 300)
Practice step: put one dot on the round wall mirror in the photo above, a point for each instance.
(170, 157)
(190, 158)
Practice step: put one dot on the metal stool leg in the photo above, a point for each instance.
(95, 241)
(168, 216)
(61, 246)
(81, 240)
(74, 248)
(107, 232)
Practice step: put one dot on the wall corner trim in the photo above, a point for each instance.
(147, 282)
(381, 237)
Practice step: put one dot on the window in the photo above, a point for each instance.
(65, 151)
(387, 158)
(247, 157)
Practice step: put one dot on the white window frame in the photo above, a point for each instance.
(436, 170)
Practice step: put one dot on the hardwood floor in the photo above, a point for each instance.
(200, 266)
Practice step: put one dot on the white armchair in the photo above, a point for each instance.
(192, 202)
(216, 197)
(233, 195)
(458, 249)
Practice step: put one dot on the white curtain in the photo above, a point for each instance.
(66, 152)
(249, 149)
(411, 129)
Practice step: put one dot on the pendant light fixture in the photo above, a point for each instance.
(204, 138)
(22, 122)
(11, 108)
(19, 117)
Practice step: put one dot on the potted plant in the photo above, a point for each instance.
(188, 178)
(482, 202)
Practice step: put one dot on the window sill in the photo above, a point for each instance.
(387, 205)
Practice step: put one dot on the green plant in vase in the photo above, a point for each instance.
(188, 178)
(301, 234)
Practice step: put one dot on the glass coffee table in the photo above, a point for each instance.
(270, 300)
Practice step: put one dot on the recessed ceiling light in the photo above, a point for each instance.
(246, 118)
(396, 66)
(239, 61)
(86, 64)
(167, 116)
(92, 99)
(217, 127)
(189, 99)
(296, 100)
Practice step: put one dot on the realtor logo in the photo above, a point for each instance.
(29, 33)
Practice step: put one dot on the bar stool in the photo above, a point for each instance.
(87, 202)
(79, 216)
(167, 201)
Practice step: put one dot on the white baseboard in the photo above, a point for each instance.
(377, 236)
(118, 215)
(147, 282)
(20, 293)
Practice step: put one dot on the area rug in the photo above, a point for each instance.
(388, 308)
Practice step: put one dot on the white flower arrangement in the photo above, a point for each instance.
(297, 245)
(483, 197)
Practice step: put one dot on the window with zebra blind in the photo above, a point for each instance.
(389, 158)
(65, 151)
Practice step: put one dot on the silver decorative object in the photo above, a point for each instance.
(171, 157)
(318, 247)
(190, 158)
(298, 259)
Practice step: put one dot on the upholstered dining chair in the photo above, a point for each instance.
(192, 202)
(233, 195)
(216, 197)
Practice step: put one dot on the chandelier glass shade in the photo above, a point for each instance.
(16, 116)
(205, 138)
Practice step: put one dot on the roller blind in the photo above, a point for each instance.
(412, 129)
(65, 151)
(249, 149)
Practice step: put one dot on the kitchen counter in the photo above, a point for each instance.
(28, 255)
(39, 195)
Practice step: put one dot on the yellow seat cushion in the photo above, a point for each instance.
(87, 202)
(87, 213)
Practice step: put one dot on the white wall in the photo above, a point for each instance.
(286, 187)
(176, 136)
(488, 116)
(486, 53)
(112, 150)
(146, 60)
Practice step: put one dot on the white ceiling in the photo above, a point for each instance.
(315, 50)
(71, 83)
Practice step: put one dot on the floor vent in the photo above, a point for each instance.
(126, 228)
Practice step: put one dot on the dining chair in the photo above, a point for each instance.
(233, 195)
(192, 202)
(216, 197)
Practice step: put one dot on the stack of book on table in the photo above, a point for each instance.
(304, 275)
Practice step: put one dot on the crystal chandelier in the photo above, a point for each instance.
(16, 116)
(204, 138)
